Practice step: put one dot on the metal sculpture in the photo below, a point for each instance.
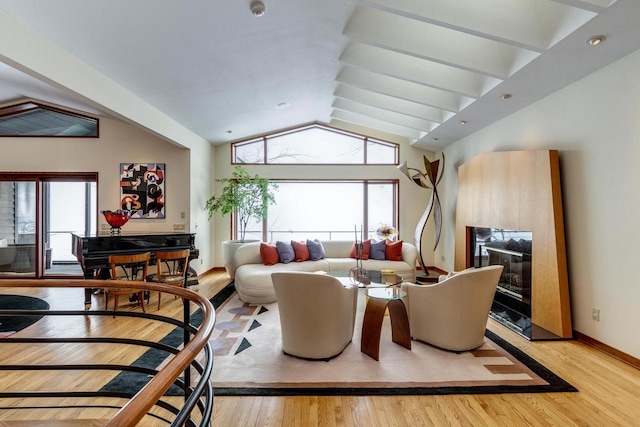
(358, 274)
(429, 179)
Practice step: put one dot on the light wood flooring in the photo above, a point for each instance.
(609, 390)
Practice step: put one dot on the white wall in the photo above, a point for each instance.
(413, 199)
(201, 173)
(118, 143)
(595, 125)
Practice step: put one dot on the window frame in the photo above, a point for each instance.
(265, 141)
(31, 106)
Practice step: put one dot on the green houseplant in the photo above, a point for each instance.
(249, 197)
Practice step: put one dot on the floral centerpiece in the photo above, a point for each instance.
(386, 232)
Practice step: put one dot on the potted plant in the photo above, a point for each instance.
(249, 197)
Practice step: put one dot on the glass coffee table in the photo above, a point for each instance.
(376, 278)
(384, 278)
(379, 300)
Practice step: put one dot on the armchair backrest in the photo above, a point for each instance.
(453, 314)
(317, 313)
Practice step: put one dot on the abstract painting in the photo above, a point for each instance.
(142, 189)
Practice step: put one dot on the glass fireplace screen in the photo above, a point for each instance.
(512, 250)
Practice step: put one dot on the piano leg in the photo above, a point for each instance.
(103, 274)
(192, 277)
(87, 298)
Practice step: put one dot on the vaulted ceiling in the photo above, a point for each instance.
(431, 71)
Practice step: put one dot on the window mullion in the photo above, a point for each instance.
(365, 210)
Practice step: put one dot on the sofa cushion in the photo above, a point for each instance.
(301, 250)
(286, 253)
(316, 250)
(366, 248)
(393, 250)
(269, 253)
(378, 250)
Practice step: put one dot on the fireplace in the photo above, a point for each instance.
(516, 197)
(513, 250)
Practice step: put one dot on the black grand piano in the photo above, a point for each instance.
(93, 251)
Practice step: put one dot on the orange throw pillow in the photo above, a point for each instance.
(268, 253)
(301, 250)
(366, 248)
(393, 250)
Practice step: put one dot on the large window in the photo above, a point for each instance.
(315, 144)
(328, 210)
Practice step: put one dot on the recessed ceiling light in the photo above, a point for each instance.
(257, 8)
(282, 105)
(462, 122)
(596, 40)
(505, 96)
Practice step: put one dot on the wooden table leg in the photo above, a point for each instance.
(372, 327)
(400, 333)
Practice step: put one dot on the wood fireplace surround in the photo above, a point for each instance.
(520, 190)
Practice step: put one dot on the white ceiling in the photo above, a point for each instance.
(413, 68)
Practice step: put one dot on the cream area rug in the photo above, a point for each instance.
(248, 360)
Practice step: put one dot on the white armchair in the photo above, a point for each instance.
(317, 314)
(453, 314)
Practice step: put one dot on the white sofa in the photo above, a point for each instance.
(253, 278)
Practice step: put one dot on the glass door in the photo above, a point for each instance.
(18, 203)
(38, 214)
(69, 208)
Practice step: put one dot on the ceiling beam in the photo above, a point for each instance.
(417, 70)
(436, 43)
(389, 103)
(591, 5)
(369, 122)
(384, 115)
(403, 89)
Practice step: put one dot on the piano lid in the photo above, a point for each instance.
(92, 244)
(107, 234)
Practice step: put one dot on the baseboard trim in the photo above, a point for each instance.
(613, 352)
(209, 271)
(439, 270)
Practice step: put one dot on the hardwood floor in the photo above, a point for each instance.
(609, 390)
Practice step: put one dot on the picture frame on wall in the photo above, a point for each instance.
(142, 189)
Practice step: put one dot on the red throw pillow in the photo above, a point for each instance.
(301, 250)
(393, 250)
(268, 253)
(366, 247)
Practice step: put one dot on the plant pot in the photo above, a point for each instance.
(229, 248)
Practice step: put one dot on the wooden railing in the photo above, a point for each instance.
(190, 360)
